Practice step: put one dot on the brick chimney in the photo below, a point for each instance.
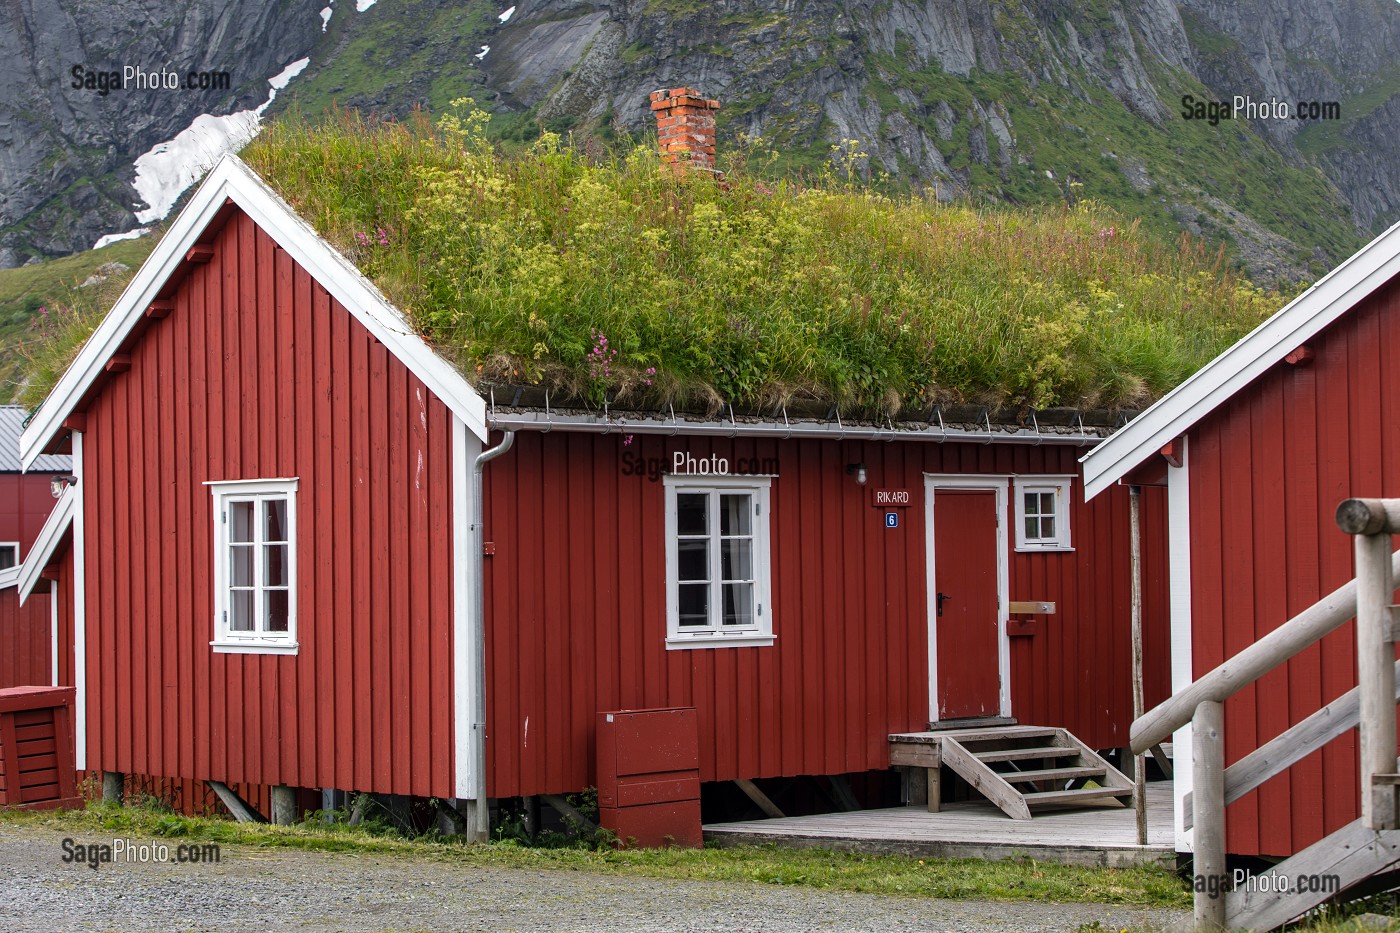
(685, 125)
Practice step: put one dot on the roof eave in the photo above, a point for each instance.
(1220, 379)
(231, 181)
(41, 554)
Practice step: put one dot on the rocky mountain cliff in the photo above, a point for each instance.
(1020, 101)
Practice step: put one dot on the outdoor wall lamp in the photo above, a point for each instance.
(57, 483)
(858, 469)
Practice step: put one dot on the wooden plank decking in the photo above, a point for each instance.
(976, 829)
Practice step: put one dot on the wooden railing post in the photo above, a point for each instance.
(1208, 777)
(1375, 671)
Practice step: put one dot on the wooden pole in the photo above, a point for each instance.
(113, 785)
(1375, 670)
(1208, 774)
(1139, 763)
(283, 801)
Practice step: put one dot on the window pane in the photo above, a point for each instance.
(9, 556)
(277, 610)
(738, 604)
(1032, 528)
(276, 528)
(693, 559)
(1047, 527)
(736, 559)
(694, 604)
(240, 521)
(692, 513)
(240, 565)
(734, 514)
(275, 568)
(240, 611)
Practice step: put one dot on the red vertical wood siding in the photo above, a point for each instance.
(26, 659)
(576, 609)
(257, 373)
(25, 631)
(1267, 471)
(26, 499)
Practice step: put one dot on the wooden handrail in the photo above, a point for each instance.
(1298, 633)
(1288, 748)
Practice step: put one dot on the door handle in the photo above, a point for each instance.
(941, 597)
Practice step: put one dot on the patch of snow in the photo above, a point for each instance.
(111, 238)
(482, 54)
(170, 167)
(325, 18)
(504, 17)
(283, 78)
(362, 5)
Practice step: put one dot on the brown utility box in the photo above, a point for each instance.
(36, 748)
(649, 777)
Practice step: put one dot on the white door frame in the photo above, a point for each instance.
(999, 483)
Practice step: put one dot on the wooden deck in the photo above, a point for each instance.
(1102, 836)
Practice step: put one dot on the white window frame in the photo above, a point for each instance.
(760, 634)
(18, 555)
(1060, 486)
(230, 642)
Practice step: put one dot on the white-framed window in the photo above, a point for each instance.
(1042, 512)
(9, 554)
(255, 573)
(717, 562)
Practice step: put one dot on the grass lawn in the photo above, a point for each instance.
(899, 875)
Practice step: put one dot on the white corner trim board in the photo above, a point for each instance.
(464, 661)
(1179, 600)
(232, 180)
(1322, 304)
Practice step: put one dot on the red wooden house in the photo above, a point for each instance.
(286, 560)
(26, 499)
(1256, 452)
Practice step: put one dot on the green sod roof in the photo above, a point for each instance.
(609, 276)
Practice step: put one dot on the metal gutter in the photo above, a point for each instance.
(643, 423)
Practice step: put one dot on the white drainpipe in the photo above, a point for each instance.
(480, 821)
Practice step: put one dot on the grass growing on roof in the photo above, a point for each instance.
(607, 274)
(750, 291)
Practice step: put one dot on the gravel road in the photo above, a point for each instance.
(284, 889)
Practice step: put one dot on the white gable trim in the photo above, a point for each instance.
(231, 179)
(46, 544)
(1326, 301)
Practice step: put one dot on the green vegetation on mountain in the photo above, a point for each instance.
(40, 304)
(1087, 144)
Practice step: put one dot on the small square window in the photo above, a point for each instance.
(255, 566)
(9, 554)
(717, 562)
(1042, 513)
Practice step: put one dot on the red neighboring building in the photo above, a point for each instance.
(268, 569)
(26, 499)
(1263, 445)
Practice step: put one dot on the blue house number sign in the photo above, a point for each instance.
(891, 519)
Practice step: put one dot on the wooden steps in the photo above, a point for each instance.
(1018, 768)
